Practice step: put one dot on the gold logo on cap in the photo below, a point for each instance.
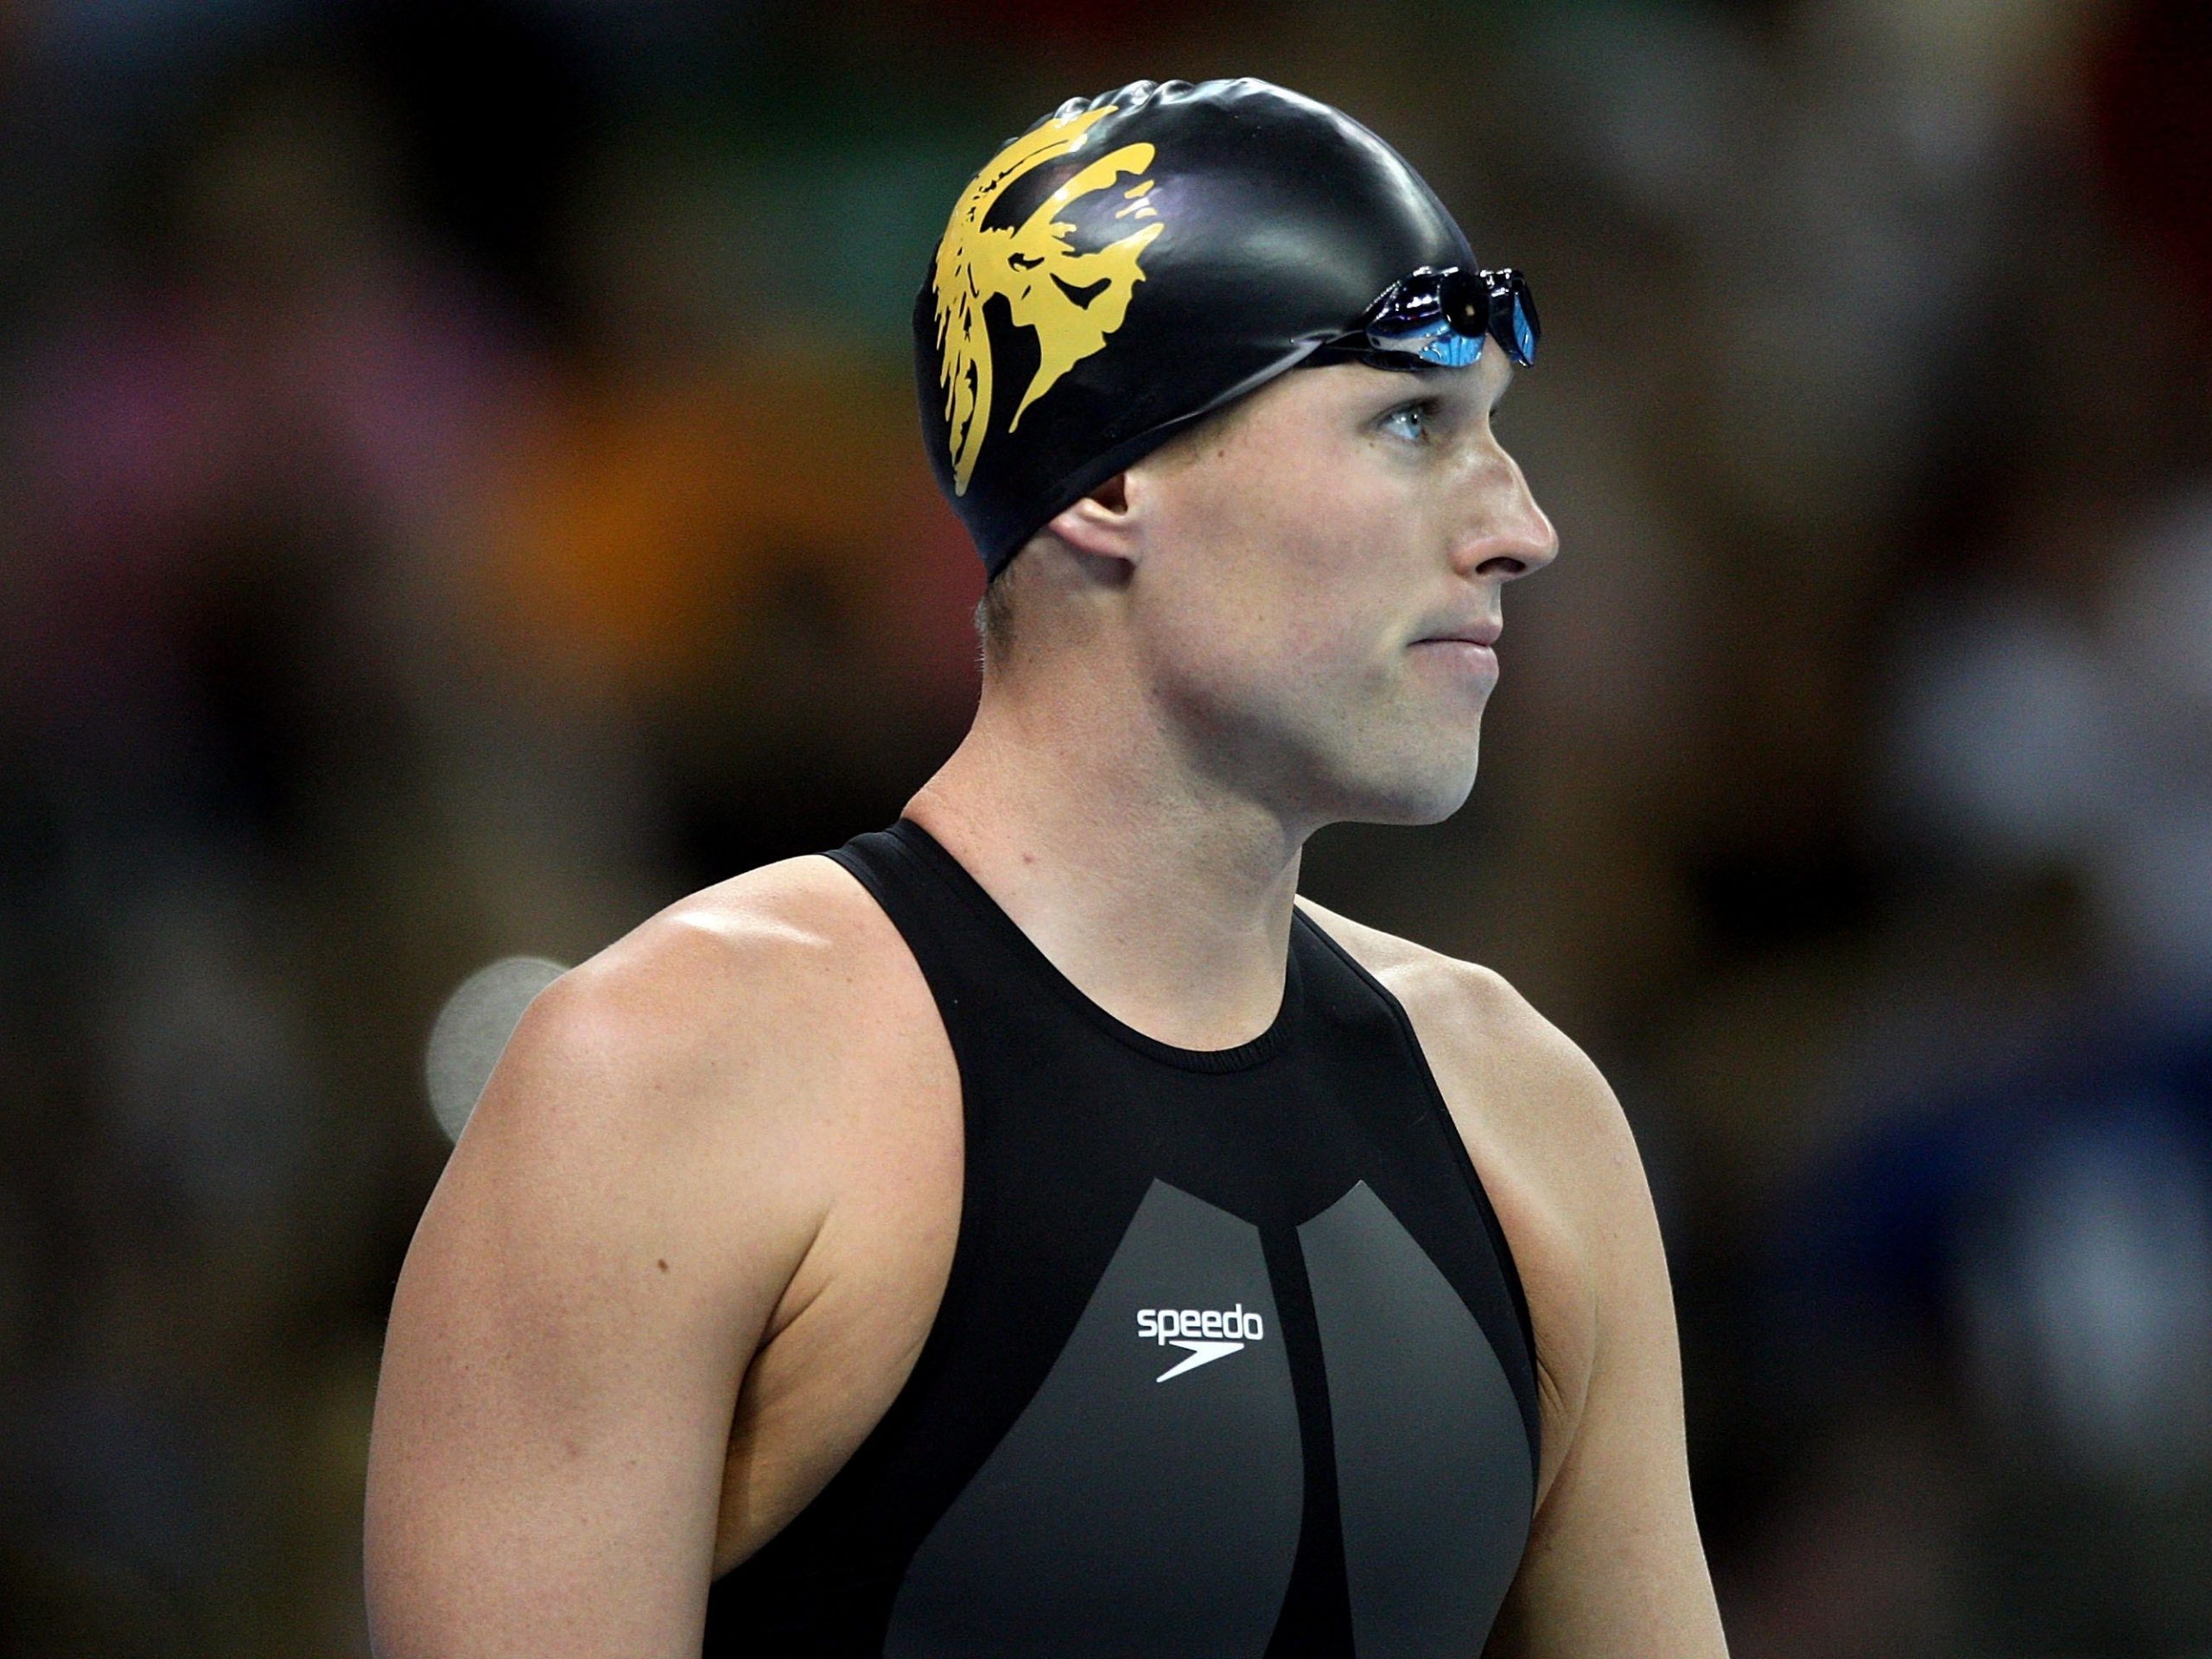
(1070, 301)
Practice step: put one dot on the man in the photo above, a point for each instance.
(1035, 1231)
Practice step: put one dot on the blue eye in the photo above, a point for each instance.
(1409, 421)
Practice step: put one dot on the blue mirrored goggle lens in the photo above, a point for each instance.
(1439, 343)
(1524, 331)
(1444, 321)
(1454, 350)
(1443, 317)
(1513, 315)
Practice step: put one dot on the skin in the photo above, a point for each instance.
(688, 1249)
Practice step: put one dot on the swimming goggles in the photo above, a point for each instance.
(1441, 318)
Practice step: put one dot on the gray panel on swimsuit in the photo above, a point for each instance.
(1432, 1469)
(1123, 1514)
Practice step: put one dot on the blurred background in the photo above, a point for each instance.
(460, 490)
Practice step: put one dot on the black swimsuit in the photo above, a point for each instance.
(1233, 1361)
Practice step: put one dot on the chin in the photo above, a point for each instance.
(1418, 796)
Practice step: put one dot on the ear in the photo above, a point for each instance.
(1100, 523)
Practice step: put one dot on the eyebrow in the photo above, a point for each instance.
(1434, 380)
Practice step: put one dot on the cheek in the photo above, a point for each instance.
(1304, 553)
(1344, 587)
(1287, 559)
(1290, 609)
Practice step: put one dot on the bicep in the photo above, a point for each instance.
(1614, 1567)
(566, 1343)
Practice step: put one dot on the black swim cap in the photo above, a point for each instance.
(1133, 263)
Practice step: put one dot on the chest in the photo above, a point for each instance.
(1126, 1349)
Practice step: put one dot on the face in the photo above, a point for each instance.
(1318, 595)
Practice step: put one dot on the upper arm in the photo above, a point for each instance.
(1615, 1568)
(584, 1294)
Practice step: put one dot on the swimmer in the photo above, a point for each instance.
(1032, 1230)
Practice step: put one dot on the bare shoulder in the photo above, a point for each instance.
(1488, 1045)
(703, 1078)
(735, 967)
(1547, 1136)
(749, 998)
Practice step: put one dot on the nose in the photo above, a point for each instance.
(1506, 535)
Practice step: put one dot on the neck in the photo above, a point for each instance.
(1163, 896)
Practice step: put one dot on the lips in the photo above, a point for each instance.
(1463, 650)
(1471, 633)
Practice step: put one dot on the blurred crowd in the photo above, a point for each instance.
(460, 490)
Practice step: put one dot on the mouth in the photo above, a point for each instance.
(1484, 633)
(1463, 649)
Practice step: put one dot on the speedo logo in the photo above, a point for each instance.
(1206, 1334)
